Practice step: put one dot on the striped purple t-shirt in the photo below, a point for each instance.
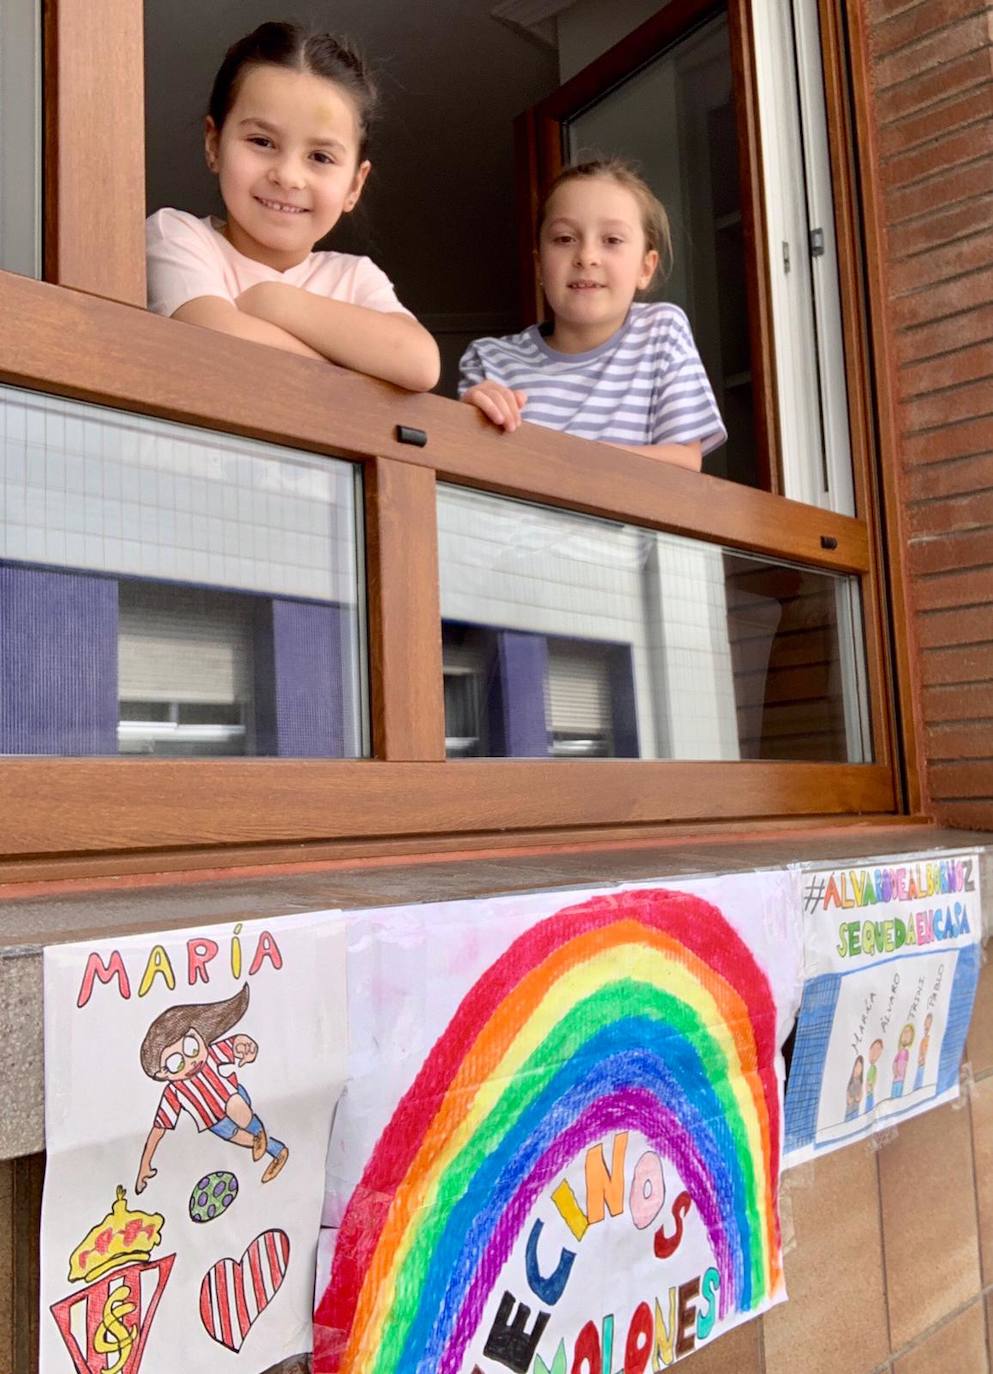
(644, 385)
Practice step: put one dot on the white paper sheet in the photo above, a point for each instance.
(181, 1210)
(561, 1131)
(892, 960)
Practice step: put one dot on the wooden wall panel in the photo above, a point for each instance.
(95, 147)
(931, 112)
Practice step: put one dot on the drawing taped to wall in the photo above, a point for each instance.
(213, 1036)
(565, 1153)
(892, 953)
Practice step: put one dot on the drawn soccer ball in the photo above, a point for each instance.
(213, 1195)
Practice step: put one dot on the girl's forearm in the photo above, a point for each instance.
(211, 312)
(392, 346)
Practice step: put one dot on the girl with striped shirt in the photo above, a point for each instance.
(607, 367)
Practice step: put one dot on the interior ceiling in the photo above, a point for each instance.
(439, 212)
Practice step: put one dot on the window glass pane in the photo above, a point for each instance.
(676, 120)
(167, 591)
(567, 636)
(20, 137)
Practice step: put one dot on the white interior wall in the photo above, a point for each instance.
(589, 27)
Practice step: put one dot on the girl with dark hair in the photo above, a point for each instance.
(287, 135)
(607, 367)
(189, 1050)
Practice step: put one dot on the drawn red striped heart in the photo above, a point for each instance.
(234, 1293)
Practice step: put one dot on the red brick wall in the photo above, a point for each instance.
(932, 69)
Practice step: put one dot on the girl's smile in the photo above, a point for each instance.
(287, 161)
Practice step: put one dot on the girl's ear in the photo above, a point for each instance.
(358, 181)
(211, 137)
(648, 269)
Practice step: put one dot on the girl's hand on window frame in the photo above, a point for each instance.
(498, 403)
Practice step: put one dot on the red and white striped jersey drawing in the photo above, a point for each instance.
(205, 1095)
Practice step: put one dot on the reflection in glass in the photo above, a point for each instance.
(566, 636)
(675, 119)
(20, 137)
(166, 591)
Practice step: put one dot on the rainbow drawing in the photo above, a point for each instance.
(638, 1010)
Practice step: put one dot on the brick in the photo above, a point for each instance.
(971, 549)
(840, 1326)
(952, 78)
(944, 336)
(941, 229)
(948, 407)
(971, 780)
(937, 265)
(954, 589)
(959, 743)
(961, 476)
(739, 1352)
(932, 1252)
(966, 588)
(910, 25)
(957, 146)
(881, 10)
(953, 297)
(964, 815)
(956, 515)
(937, 192)
(968, 107)
(935, 51)
(953, 441)
(956, 626)
(959, 1345)
(958, 702)
(965, 663)
(964, 365)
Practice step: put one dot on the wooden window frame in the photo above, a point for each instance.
(540, 137)
(83, 338)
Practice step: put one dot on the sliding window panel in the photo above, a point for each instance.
(567, 636)
(168, 592)
(20, 137)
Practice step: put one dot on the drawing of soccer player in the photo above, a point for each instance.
(901, 1059)
(189, 1050)
(875, 1050)
(922, 1051)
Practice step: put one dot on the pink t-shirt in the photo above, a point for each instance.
(189, 257)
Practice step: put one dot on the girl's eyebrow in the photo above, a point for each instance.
(602, 224)
(275, 129)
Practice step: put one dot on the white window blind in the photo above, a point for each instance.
(184, 645)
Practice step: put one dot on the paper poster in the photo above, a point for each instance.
(892, 962)
(190, 1080)
(559, 1146)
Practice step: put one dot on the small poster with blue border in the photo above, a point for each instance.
(892, 955)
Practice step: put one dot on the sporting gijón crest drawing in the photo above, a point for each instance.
(106, 1325)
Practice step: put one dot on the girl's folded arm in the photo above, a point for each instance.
(388, 345)
(214, 312)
